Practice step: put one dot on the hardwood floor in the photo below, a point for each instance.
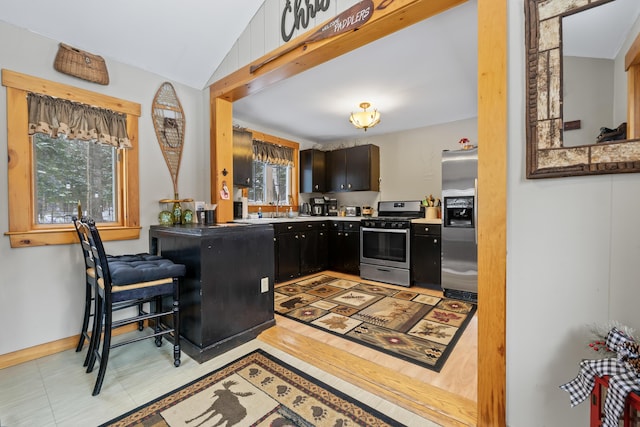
(448, 397)
(55, 390)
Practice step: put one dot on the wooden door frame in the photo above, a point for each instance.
(285, 62)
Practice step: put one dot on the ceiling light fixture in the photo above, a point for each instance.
(365, 119)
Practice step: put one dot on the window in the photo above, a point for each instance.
(117, 205)
(271, 184)
(71, 175)
(274, 172)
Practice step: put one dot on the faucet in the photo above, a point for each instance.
(275, 214)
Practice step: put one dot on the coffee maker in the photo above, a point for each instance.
(318, 206)
(332, 207)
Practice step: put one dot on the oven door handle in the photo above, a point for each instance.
(385, 230)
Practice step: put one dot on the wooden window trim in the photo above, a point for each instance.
(632, 66)
(23, 231)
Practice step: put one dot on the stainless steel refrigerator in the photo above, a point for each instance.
(459, 221)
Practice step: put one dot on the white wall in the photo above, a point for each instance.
(587, 96)
(41, 288)
(410, 161)
(572, 260)
(262, 35)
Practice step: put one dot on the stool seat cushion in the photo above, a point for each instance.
(127, 269)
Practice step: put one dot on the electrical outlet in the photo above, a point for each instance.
(264, 284)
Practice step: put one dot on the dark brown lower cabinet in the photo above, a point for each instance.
(300, 249)
(344, 246)
(426, 255)
(287, 252)
(313, 248)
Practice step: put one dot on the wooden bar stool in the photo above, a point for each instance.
(130, 282)
(90, 285)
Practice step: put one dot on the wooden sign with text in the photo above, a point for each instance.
(349, 20)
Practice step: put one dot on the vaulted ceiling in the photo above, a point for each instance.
(184, 41)
(423, 75)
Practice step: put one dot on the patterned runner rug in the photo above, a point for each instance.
(419, 328)
(255, 390)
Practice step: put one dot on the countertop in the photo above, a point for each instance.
(298, 218)
(324, 218)
(202, 230)
(426, 221)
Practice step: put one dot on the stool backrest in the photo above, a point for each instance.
(83, 237)
(90, 234)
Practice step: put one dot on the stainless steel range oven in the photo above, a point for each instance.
(385, 251)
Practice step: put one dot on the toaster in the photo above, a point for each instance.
(352, 211)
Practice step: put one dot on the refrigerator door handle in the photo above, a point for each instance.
(475, 208)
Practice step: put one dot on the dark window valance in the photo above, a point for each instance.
(53, 116)
(271, 153)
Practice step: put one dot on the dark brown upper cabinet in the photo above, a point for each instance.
(354, 169)
(242, 157)
(312, 171)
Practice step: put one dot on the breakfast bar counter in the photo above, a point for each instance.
(226, 296)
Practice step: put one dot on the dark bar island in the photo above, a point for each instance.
(226, 297)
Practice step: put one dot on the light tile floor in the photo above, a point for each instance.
(56, 391)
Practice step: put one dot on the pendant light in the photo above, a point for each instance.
(365, 119)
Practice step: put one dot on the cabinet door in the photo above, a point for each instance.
(323, 248)
(363, 168)
(337, 170)
(288, 256)
(435, 261)
(242, 158)
(309, 251)
(276, 256)
(344, 247)
(351, 248)
(312, 171)
(334, 258)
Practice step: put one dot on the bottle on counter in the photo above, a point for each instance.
(177, 211)
(259, 212)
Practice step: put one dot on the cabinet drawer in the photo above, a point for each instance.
(289, 227)
(315, 225)
(344, 225)
(298, 226)
(426, 229)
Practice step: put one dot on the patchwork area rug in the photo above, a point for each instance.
(255, 390)
(419, 328)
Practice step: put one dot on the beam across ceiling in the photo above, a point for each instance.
(284, 62)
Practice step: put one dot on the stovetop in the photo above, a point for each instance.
(400, 209)
(387, 222)
(395, 214)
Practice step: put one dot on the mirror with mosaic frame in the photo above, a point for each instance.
(547, 157)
